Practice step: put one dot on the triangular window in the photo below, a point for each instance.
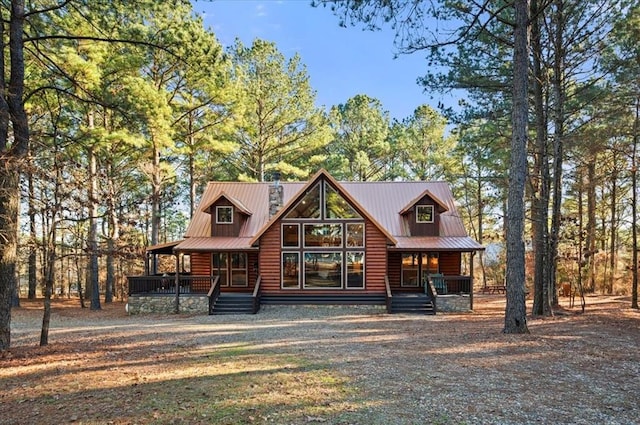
(336, 207)
(309, 205)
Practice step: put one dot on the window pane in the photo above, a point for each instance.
(220, 267)
(355, 269)
(290, 270)
(224, 214)
(430, 263)
(323, 235)
(355, 235)
(290, 235)
(309, 206)
(323, 270)
(424, 213)
(409, 270)
(238, 269)
(337, 206)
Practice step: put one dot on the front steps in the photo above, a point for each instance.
(415, 303)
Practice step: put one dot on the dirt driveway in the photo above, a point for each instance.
(331, 365)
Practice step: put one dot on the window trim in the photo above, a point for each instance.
(282, 245)
(418, 214)
(220, 208)
(298, 271)
(346, 271)
(329, 288)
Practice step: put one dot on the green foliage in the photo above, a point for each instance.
(360, 149)
(276, 125)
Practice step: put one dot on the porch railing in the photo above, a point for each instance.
(166, 284)
(389, 295)
(256, 296)
(456, 285)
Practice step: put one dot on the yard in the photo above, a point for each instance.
(331, 365)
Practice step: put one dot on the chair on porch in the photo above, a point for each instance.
(438, 282)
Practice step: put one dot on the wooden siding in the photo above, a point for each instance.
(394, 270)
(269, 262)
(226, 229)
(424, 229)
(201, 264)
(450, 263)
(375, 259)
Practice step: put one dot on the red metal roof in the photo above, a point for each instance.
(382, 201)
(437, 243)
(206, 244)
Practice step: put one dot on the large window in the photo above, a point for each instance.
(417, 264)
(291, 270)
(238, 269)
(322, 270)
(323, 237)
(319, 235)
(410, 269)
(355, 270)
(231, 268)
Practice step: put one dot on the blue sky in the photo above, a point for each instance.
(341, 62)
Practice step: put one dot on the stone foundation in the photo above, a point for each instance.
(165, 304)
(453, 303)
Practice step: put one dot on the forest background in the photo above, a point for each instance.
(131, 110)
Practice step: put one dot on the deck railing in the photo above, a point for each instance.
(256, 296)
(166, 284)
(388, 295)
(457, 284)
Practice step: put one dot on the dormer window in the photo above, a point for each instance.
(424, 213)
(224, 215)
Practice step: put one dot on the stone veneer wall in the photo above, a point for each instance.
(453, 303)
(164, 304)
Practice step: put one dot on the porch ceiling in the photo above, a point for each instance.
(436, 243)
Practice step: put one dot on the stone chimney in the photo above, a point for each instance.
(275, 195)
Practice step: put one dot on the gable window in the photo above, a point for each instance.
(424, 213)
(224, 215)
(322, 241)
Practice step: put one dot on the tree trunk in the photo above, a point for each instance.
(33, 238)
(515, 312)
(614, 224)
(92, 237)
(11, 106)
(540, 202)
(634, 205)
(591, 224)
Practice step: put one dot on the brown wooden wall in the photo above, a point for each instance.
(226, 229)
(450, 263)
(394, 269)
(424, 229)
(201, 264)
(375, 259)
(269, 262)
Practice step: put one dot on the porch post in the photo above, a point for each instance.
(473, 254)
(177, 302)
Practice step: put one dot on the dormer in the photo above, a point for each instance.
(228, 215)
(422, 215)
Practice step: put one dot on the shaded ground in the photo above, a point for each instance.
(333, 365)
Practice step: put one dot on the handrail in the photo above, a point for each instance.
(389, 296)
(257, 288)
(214, 284)
(256, 295)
